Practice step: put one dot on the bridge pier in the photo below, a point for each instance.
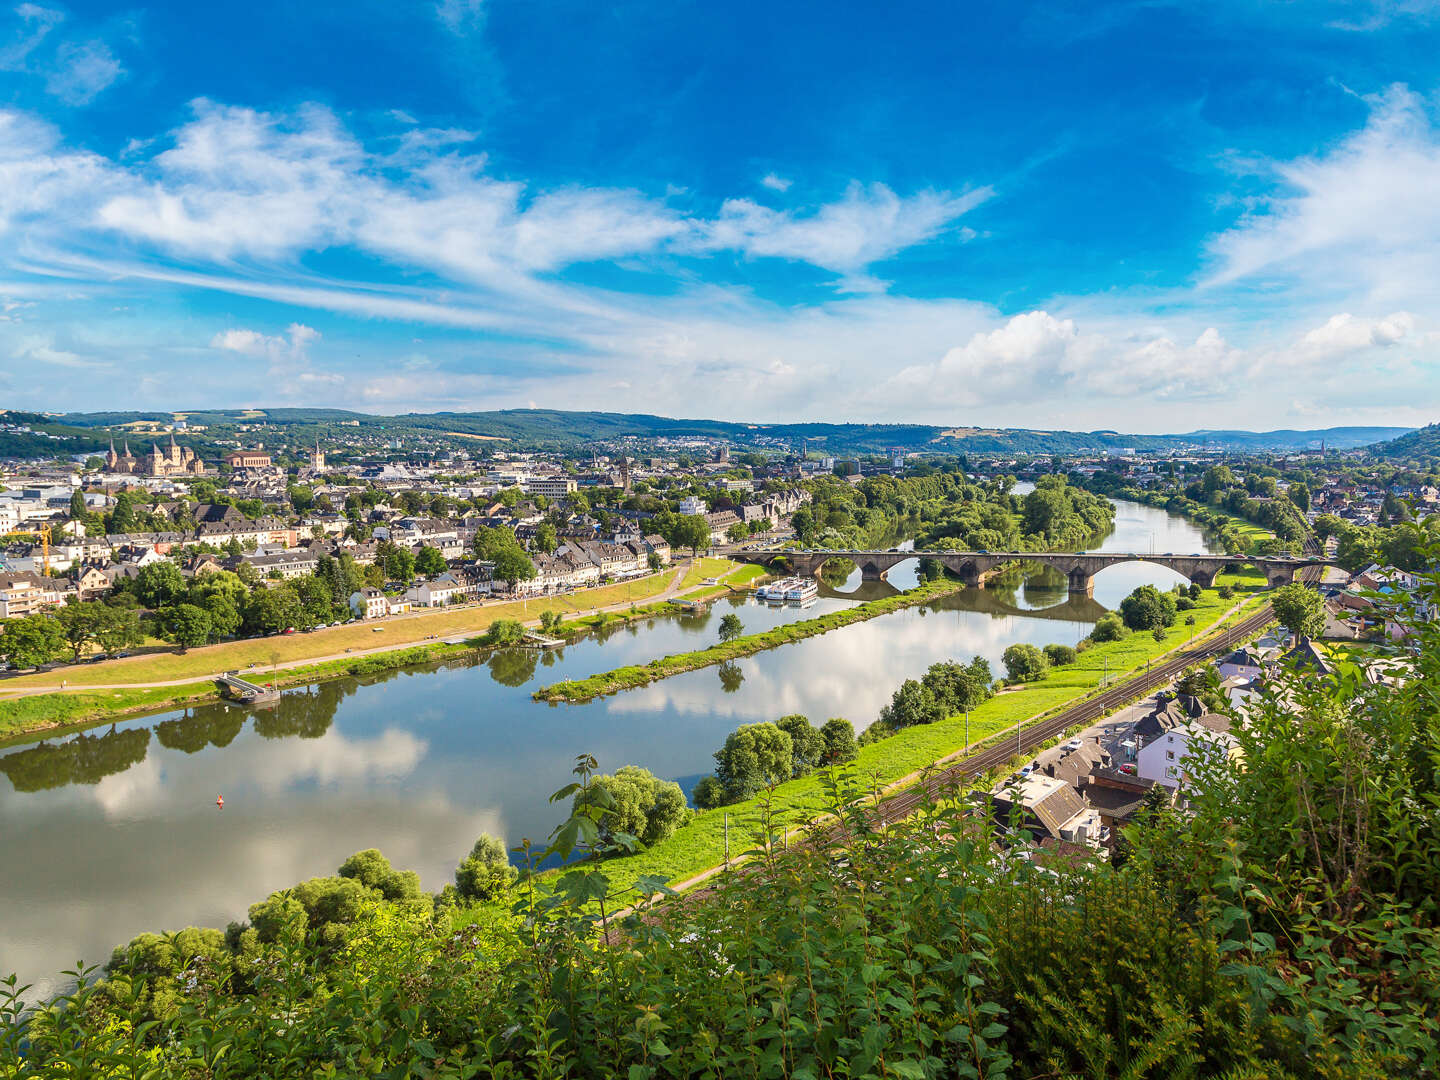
(1080, 583)
(1203, 578)
(871, 572)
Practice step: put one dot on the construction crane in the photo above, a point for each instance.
(43, 532)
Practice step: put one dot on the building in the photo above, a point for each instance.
(1046, 808)
(317, 458)
(1163, 758)
(693, 504)
(25, 594)
(175, 460)
(552, 487)
(248, 459)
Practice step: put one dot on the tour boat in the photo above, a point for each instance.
(793, 590)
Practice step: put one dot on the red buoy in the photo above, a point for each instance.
(220, 801)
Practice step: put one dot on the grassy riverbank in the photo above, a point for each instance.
(700, 845)
(636, 675)
(36, 713)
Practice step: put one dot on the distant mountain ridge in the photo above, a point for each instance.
(554, 427)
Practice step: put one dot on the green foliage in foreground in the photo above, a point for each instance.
(1283, 927)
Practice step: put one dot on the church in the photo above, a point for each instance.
(173, 461)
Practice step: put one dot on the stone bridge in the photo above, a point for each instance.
(1079, 568)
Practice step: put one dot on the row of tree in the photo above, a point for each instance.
(757, 756)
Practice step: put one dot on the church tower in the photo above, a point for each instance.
(317, 457)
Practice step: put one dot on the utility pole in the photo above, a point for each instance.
(967, 727)
(727, 839)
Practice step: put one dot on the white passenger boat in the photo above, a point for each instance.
(791, 590)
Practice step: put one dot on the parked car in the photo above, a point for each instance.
(1128, 768)
(1073, 744)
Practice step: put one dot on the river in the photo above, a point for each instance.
(116, 831)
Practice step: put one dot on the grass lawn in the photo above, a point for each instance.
(704, 568)
(239, 655)
(700, 845)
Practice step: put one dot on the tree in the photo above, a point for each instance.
(958, 687)
(78, 509)
(185, 624)
(754, 756)
(546, 539)
(1024, 661)
(913, 703)
(485, 874)
(118, 628)
(80, 624)
(639, 804)
(839, 737)
(399, 562)
(731, 627)
(1060, 655)
(159, 584)
(122, 515)
(807, 745)
(504, 632)
(269, 611)
(692, 531)
(429, 561)
(736, 533)
(1300, 609)
(709, 793)
(224, 616)
(30, 640)
(373, 870)
(1147, 608)
(1300, 495)
(550, 621)
(512, 565)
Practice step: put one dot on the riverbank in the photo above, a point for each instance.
(632, 676)
(700, 845)
(46, 707)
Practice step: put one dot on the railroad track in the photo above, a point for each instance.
(904, 803)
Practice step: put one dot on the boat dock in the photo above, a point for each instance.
(247, 693)
(532, 638)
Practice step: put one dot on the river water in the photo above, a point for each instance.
(116, 831)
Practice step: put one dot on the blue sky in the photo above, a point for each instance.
(1144, 215)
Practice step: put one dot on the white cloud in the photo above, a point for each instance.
(81, 71)
(36, 24)
(776, 183)
(37, 350)
(868, 224)
(1345, 333)
(1359, 221)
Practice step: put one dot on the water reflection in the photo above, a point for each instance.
(731, 676)
(418, 762)
(85, 759)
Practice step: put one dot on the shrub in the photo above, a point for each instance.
(1024, 661)
(1059, 655)
(839, 736)
(485, 874)
(640, 804)
(1225, 592)
(1108, 627)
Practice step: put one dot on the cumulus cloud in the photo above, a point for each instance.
(289, 373)
(776, 183)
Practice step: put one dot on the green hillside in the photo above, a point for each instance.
(1421, 445)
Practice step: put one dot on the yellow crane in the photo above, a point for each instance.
(43, 532)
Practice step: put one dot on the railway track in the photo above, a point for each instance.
(905, 802)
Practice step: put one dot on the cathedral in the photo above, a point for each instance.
(173, 461)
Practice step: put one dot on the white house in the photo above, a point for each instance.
(369, 603)
(1163, 758)
(693, 504)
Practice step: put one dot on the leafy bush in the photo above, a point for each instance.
(485, 874)
(1024, 661)
(1108, 627)
(1059, 655)
(637, 803)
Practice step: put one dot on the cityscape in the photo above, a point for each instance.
(588, 541)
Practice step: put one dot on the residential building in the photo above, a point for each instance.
(25, 594)
(1163, 759)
